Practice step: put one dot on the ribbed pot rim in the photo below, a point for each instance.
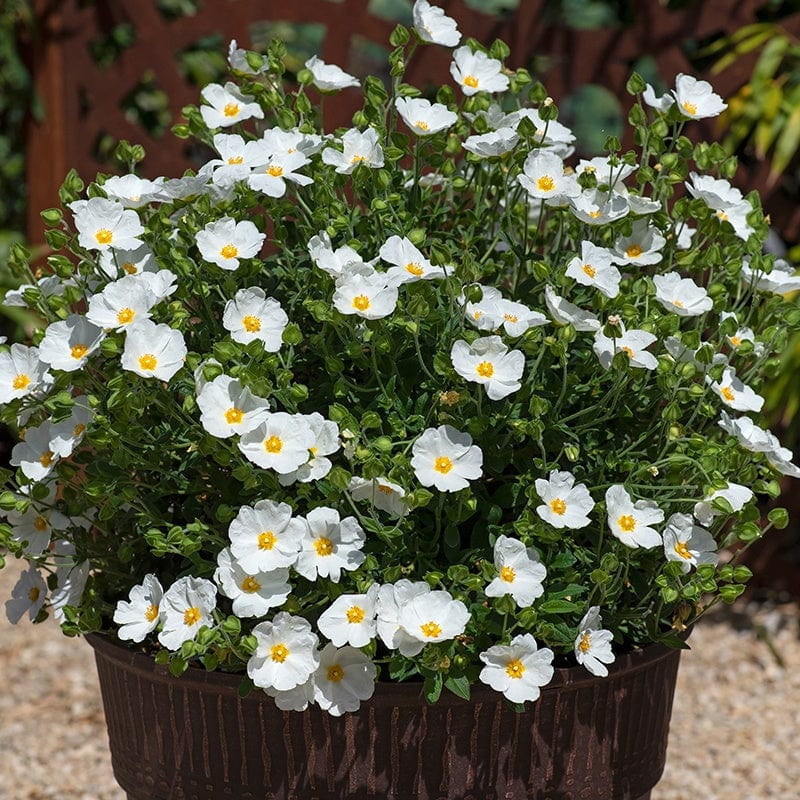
(564, 679)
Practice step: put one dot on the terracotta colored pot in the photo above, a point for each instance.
(194, 738)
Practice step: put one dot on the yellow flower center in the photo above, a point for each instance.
(510, 318)
(626, 522)
(422, 125)
(585, 643)
(471, 81)
(78, 430)
(335, 673)
(589, 270)
(414, 268)
(129, 268)
(545, 184)
(229, 251)
(33, 594)
(21, 381)
(507, 574)
(78, 351)
(595, 214)
(515, 669)
(40, 523)
(682, 550)
(274, 444)
(358, 159)
(251, 324)
(723, 216)
(485, 369)
(151, 613)
(231, 109)
(313, 451)
(234, 160)
(276, 170)
(477, 314)
(385, 489)
(728, 394)
(633, 251)
(233, 416)
(431, 629)
(628, 351)
(443, 464)
(735, 341)
(125, 316)
(678, 304)
(689, 108)
(104, 236)
(279, 652)
(46, 458)
(250, 585)
(558, 506)
(191, 616)
(361, 302)
(323, 545)
(148, 362)
(266, 540)
(355, 615)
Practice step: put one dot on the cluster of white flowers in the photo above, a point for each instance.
(133, 315)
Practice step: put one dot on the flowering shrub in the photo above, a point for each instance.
(429, 398)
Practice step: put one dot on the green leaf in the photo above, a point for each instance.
(559, 607)
(787, 143)
(458, 686)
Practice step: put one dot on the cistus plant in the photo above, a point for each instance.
(425, 399)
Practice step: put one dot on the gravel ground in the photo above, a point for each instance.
(733, 735)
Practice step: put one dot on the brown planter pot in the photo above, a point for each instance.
(194, 738)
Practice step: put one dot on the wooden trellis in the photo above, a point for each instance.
(82, 101)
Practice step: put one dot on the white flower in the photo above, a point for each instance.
(275, 169)
(446, 458)
(357, 148)
(297, 698)
(688, 543)
(595, 267)
(68, 344)
(493, 312)
(350, 618)
(225, 241)
(696, 99)
(237, 58)
(34, 454)
(286, 655)
(265, 537)
(631, 342)
(161, 283)
(409, 264)
(596, 207)
(329, 77)
(716, 193)
(736, 217)
(631, 522)
(519, 572)
(565, 505)
(227, 105)
(736, 394)
(493, 143)
(566, 313)
(430, 617)
(252, 315)
(344, 678)
(27, 596)
(518, 669)
(330, 545)
(153, 351)
(779, 281)
(34, 527)
(326, 442)
(476, 72)
(781, 459)
(749, 435)
(682, 296)
(661, 103)
(132, 191)
(422, 117)
(381, 492)
(734, 493)
(186, 607)
(643, 246)
(362, 291)
(141, 613)
(67, 434)
(253, 594)
(593, 644)
(391, 598)
(433, 25)
(237, 159)
(121, 303)
(102, 224)
(543, 177)
(227, 408)
(21, 372)
(489, 362)
(281, 442)
(71, 577)
(329, 260)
